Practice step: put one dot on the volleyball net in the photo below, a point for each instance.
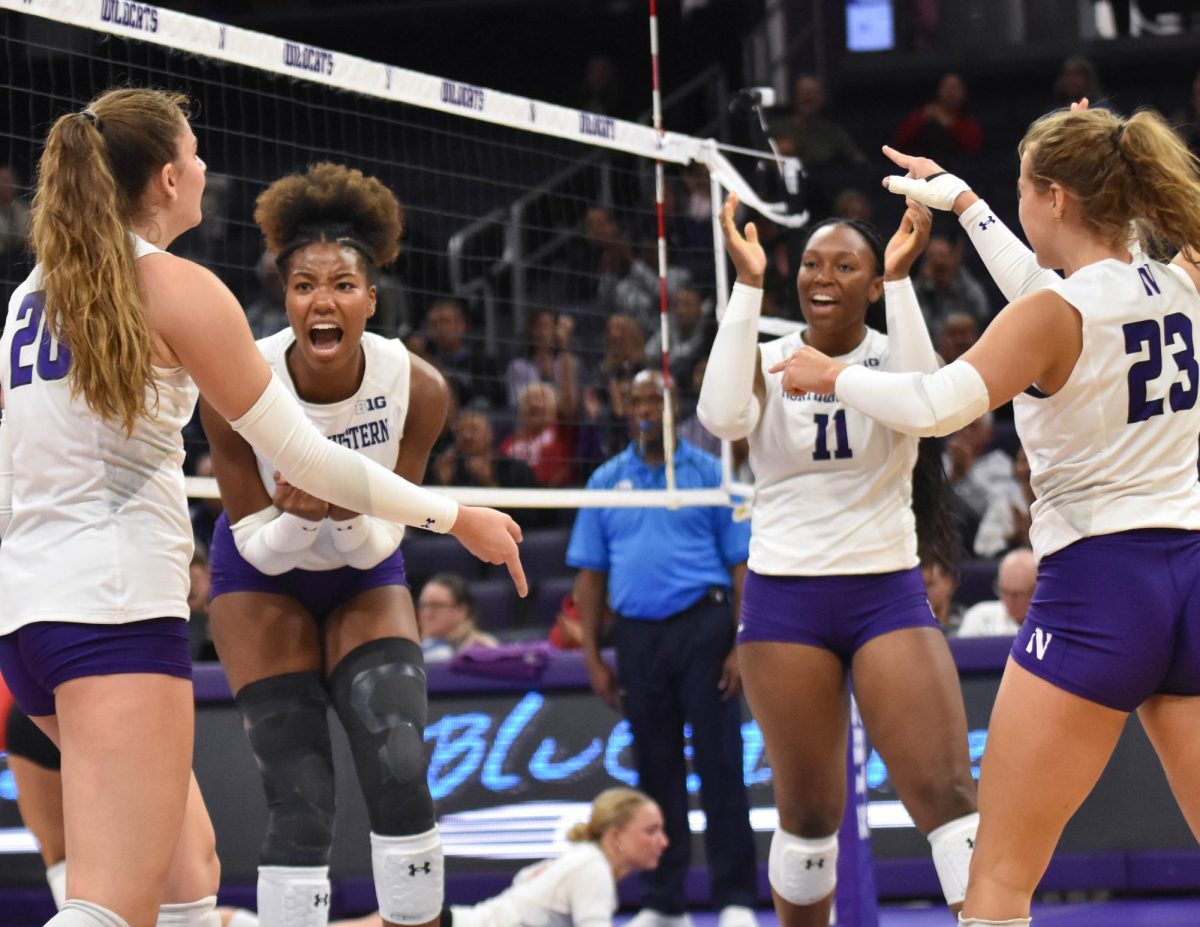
(529, 269)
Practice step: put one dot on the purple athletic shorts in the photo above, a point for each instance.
(38, 658)
(319, 591)
(837, 613)
(1116, 618)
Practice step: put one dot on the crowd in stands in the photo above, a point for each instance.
(548, 401)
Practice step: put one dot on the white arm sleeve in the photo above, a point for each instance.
(922, 404)
(909, 345)
(1009, 260)
(6, 476)
(274, 542)
(728, 407)
(365, 542)
(277, 428)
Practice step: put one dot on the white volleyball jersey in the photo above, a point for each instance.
(370, 422)
(833, 487)
(575, 890)
(100, 531)
(1115, 448)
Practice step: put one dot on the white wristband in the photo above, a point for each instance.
(913, 403)
(365, 542)
(277, 428)
(727, 405)
(274, 542)
(937, 192)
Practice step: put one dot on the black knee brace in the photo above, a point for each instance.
(286, 722)
(378, 692)
(28, 741)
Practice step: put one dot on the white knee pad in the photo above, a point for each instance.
(56, 878)
(293, 896)
(1011, 922)
(408, 877)
(240, 917)
(953, 844)
(802, 871)
(76, 913)
(202, 913)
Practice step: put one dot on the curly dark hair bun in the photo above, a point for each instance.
(329, 202)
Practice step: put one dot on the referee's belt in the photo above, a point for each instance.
(714, 595)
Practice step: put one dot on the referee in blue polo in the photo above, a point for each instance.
(673, 579)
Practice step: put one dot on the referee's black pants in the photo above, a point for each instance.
(669, 670)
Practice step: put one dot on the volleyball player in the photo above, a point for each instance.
(310, 606)
(100, 351)
(833, 585)
(1102, 372)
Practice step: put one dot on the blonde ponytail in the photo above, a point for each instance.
(611, 808)
(91, 178)
(1121, 171)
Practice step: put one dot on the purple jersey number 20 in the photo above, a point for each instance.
(53, 359)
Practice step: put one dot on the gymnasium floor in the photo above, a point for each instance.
(1154, 912)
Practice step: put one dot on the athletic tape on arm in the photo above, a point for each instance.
(938, 191)
(1011, 263)
(365, 542)
(909, 345)
(277, 428)
(727, 406)
(274, 542)
(923, 404)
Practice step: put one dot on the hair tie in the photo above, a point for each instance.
(91, 117)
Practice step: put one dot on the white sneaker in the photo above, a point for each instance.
(737, 916)
(648, 917)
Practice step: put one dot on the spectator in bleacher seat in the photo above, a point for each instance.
(601, 88)
(472, 461)
(689, 329)
(628, 279)
(942, 128)
(1187, 120)
(673, 579)
(539, 438)
(267, 314)
(853, 204)
(955, 336)
(944, 285)
(567, 632)
(941, 582)
(978, 475)
(1003, 617)
(547, 358)
(471, 373)
(691, 428)
(1077, 78)
(1005, 522)
(447, 619)
(809, 134)
(604, 429)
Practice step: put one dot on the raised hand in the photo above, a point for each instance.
(747, 254)
(908, 243)
(926, 182)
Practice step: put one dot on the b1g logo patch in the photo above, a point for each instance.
(370, 405)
